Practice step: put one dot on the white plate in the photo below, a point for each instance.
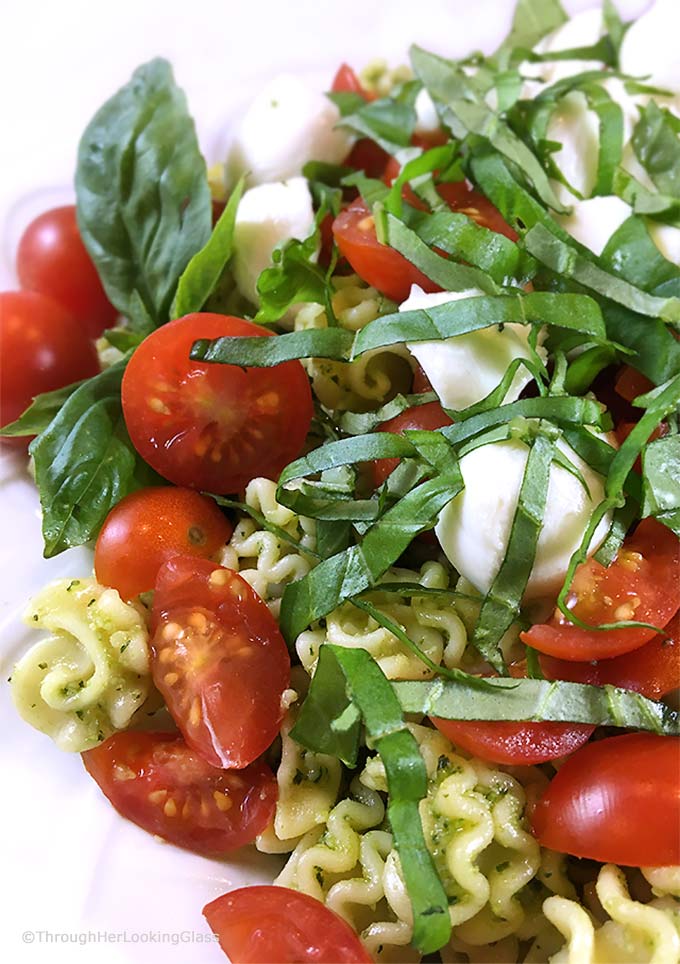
(101, 887)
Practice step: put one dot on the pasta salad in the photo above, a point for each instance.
(373, 427)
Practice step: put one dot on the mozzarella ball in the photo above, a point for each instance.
(267, 216)
(286, 125)
(474, 528)
(650, 46)
(666, 238)
(427, 119)
(594, 221)
(464, 369)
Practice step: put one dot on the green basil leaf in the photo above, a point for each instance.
(201, 276)
(656, 145)
(533, 19)
(142, 192)
(661, 481)
(389, 121)
(123, 338)
(40, 412)
(260, 352)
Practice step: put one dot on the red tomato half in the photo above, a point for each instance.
(630, 383)
(210, 426)
(347, 81)
(642, 584)
(462, 197)
(42, 348)
(52, 259)
(430, 416)
(156, 781)
(219, 660)
(515, 743)
(259, 925)
(617, 801)
(150, 526)
(653, 669)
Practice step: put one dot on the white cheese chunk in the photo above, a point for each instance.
(286, 125)
(474, 528)
(666, 238)
(582, 30)
(267, 216)
(577, 129)
(427, 119)
(464, 369)
(594, 221)
(650, 46)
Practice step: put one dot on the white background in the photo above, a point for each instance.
(68, 862)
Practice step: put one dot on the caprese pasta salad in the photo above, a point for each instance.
(373, 427)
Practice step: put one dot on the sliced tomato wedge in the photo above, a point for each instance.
(515, 743)
(219, 660)
(617, 801)
(429, 416)
(642, 584)
(260, 925)
(156, 781)
(653, 669)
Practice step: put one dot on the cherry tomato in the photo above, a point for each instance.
(617, 801)
(258, 925)
(52, 259)
(653, 669)
(42, 348)
(219, 660)
(377, 264)
(515, 743)
(210, 426)
(156, 781)
(147, 528)
(430, 416)
(642, 584)
(630, 383)
(462, 197)
(421, 383)
(346, 81)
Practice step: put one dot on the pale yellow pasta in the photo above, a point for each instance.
(370, 380)
(432, 624)
(635, 933)
(89, 677)
(265, 560)
(664, 881)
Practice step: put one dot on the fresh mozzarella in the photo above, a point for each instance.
(474, 528)
(286, 125)
(650, 46)
(427, 119)
(463, 370)
(582, 30)
(592, 222)
(667, 240)
(268, 215)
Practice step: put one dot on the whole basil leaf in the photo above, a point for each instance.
(143, 200)
(85, 462)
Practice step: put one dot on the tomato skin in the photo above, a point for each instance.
(429, 416)
(258, 925)
(616, 801)
(462, 197)
(150, 526)
(653, 669)
(377, 264)
(53, 260)
(643, 584)
(219, 660)
(515, 743)
(47, 347)
(630, 383)
(204, 809)
(210, 426)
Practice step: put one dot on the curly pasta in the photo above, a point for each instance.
(370, 380)
(434, 626)
(264, 559)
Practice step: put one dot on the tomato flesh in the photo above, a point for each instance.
(47, 347)
(429, 416)
(211, 426)
(219, 660)
(53, 260)
(258, 925)
(642, 584)
(515, 743)
(616, 801)
(150, 526)
(160, 784)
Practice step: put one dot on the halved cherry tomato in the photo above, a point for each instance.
(366, 155)
(347, 81)
(617, 801)
(630, 383)
(515, 743)
(430, 416)
(653, 669)
(259, 925)
(377, 264)
(219, 660)
(642, 584)
(156, 781)
(211, 426)
(421, 383)
(53, 260)
(42, 347)
(150, 526)
(462, 197)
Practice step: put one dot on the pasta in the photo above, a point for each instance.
(91, 675)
